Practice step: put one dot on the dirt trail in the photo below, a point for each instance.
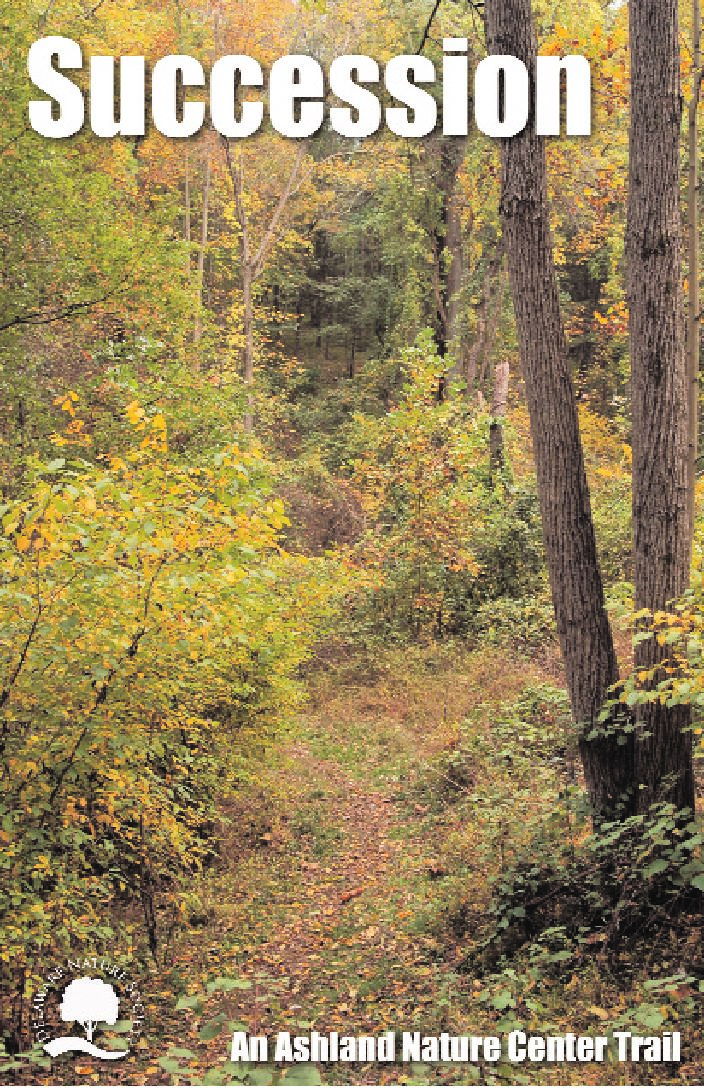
(334, 920)
(336, 955)
(332, 903)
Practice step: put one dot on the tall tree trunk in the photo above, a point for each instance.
(454, 273)
(253, 258)
(446, 243)
(187, 211)
(568, 531)
(661, 509)
(491, 326)
(693, 255)
(198, 327)
(248, 352)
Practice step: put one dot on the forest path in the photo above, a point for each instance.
(330, 906)
(323, 928)
(337, 953)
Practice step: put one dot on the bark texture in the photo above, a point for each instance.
(693, 319)
(661, 510)
(568, 532)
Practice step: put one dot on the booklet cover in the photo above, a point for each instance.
(351, 598)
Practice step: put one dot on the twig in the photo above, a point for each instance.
(428, 25)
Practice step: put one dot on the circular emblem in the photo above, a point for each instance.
(88, 1006)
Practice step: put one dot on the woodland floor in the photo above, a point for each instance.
(334, 894)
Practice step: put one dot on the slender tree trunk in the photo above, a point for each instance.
(253, 258)
(454, 273)
(187, 211)
(198, 328)
(248, 353)
(661, 508)
(491, 326)
(568, 532)
(299, 319)
(693, 255)
(446, 242)
(499, 401)
(487, 318)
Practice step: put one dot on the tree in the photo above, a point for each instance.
(661, 761)
(568, 530)
(693, 315)
(446, 239)
(90, 1001)
(662, 520)
(254, 256)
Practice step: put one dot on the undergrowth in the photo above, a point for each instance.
(551, 922)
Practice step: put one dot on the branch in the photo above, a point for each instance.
(102, 695)
(6, 691)
(39, 317)
(270, 236)
(235, 172)
(428, 25)
(476, 7)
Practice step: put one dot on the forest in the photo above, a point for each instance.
(352, 551)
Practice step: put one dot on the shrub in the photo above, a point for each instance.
(151, 626)
(446, 533)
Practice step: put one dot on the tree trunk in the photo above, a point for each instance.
(661, 509)
(253, 258)
(568, 531)
(693, 255)
(248, 352)
(198, 327)
(491, 326)
(187, 211)
(487, 320)
(446, 243)
(454, 273)
(498, 411)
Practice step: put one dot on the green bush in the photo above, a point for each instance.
(446, 532)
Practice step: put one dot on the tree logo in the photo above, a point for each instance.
(92, 1004)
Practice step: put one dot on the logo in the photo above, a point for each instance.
(96, 995)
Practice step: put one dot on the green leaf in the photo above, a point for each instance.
(222, 985)
(658, 866)
(265, 1075)
(212, 1028)
(171, 1065)
(305, 1073)
(121, 1027)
